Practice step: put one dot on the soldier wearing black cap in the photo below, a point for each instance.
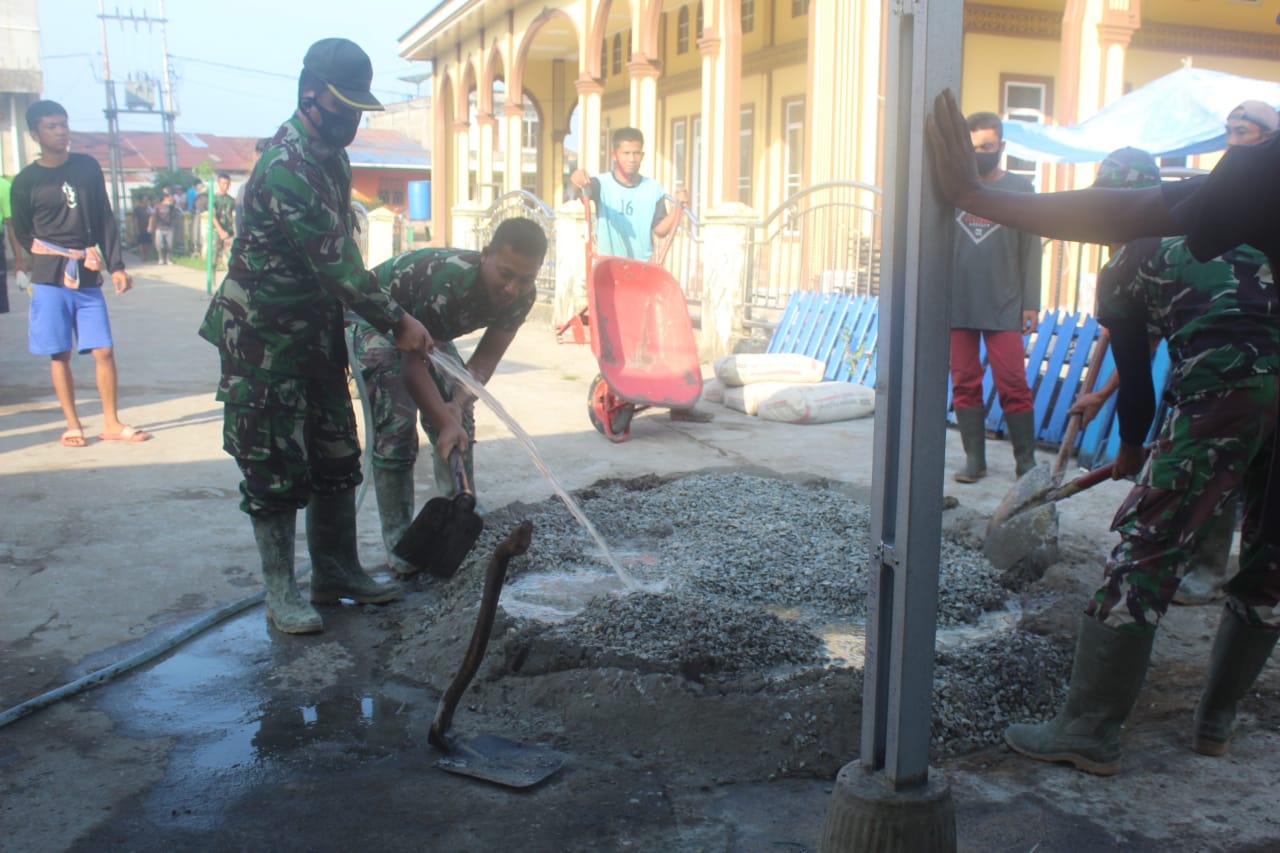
(277, 320)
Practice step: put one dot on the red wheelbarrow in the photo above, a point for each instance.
(642, 339)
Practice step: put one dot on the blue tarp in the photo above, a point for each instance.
(1179, 114)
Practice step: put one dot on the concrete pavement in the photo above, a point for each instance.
(106, 547)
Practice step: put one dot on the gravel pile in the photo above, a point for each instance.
(741, 575)
(740, 539)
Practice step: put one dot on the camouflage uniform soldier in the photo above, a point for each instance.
(1221, 319)
(452, 292)
(277, 321)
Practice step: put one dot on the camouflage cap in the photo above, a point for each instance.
(1129, 169)
(345, 69)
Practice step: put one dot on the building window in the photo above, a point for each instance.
(682, 30)
(679, 152)
(604, 59)
(746, 156)
(1025, 99)
(799, 8)
(529, 125)
(617, 53)
(697, 33)
(793, 140)
(748, 16)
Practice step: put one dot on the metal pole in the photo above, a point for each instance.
(113, 126)
(887, 793)
(166, 98)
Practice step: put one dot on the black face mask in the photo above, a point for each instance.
(987, 161)
(337, 129)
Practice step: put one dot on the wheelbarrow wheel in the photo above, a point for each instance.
(609, 413)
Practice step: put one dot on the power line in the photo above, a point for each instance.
(264, 73)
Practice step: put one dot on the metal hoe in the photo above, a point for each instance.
(490, 757)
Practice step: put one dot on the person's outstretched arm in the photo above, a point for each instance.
(1092, 215)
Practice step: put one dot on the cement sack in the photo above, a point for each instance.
(818, 403)
(746, 398)
(749, 368)
(713, 390)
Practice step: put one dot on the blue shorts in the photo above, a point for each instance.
(62, 319)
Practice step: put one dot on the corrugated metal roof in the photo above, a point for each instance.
(388, 149)
(143, 151)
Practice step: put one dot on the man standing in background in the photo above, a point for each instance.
(61, 215)
(995, 296)
(630, 211)
(224, 225)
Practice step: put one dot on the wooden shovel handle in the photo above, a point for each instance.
(1073, 422)
(1079, 484)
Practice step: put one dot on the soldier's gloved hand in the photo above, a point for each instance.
(411, 336)
(955, 169)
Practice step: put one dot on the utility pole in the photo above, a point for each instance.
(139, 101)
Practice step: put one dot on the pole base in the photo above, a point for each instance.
(866, 813)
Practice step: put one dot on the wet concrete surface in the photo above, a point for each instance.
(247, 739)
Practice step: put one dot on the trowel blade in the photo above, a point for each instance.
(502, 761)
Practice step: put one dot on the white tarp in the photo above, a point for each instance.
(1179, 114)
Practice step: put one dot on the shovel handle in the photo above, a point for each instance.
(1074, 421)
(1084, 481)
(460, 483)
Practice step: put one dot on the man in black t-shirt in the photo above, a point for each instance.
(61, 215)
(1237, 203)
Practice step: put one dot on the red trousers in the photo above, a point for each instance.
(1007, 357)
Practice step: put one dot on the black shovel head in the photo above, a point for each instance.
(442, 535)
(496, 759)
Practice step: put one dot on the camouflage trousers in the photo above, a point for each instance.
(395, 415)
(1209, 449)
(291, 436)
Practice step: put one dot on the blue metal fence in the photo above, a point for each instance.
(840, 330)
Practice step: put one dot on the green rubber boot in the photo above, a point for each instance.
(335, 558)
(394, 489)
(1207, 569)
(973, 435)
(1240, 651)
(1109, 667)
(1022, 435)
(286, 608)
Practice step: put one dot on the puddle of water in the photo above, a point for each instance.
(235, 729)
(460, 374)
(557, 597)
(845, 643)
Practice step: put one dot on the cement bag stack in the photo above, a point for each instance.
(788, 388)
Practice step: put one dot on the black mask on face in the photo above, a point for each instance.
(337, 129)
(987, 161)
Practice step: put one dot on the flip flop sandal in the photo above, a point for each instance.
(127, 434)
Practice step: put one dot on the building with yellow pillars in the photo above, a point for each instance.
(744, 102)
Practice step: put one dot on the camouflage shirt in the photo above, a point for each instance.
(438, 287)
(1221, 318)
(295, 264)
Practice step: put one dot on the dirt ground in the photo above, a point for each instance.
(245, 739)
